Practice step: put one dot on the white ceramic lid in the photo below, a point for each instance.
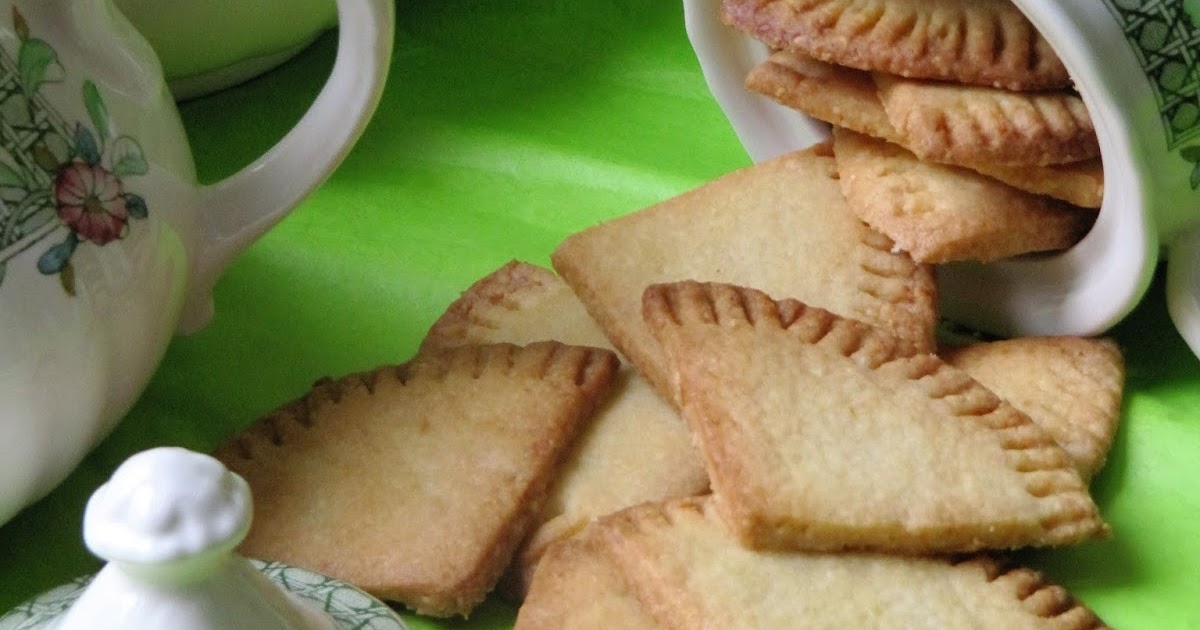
(168, 521)
(165, 504)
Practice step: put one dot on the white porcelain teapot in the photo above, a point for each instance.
(108, 245)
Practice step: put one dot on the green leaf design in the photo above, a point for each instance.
(46, 159)
(10, 176)
(19, 24)
(86, 146)
(66, 276)
(1191, 154)
(1192, 9)
(58, 256)
(136, 206)
(1196, 176)
(37, 63)
(128, 158)
(96, 109)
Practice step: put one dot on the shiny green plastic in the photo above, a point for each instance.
(507, 125)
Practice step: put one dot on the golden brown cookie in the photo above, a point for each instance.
(839, 95)
(1070, 386)
(846, 97)
(982, 42)
(688, 573)
(634, 449)
(417, 482)
(939, 213)
(518, 303)
(964, 124)
(823, 433)
(577, 587)
(1077, 183)
(781, 224)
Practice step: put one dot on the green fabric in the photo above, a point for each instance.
(507, 125)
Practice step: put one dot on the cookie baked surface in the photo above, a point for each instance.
(846, 97)
(517, 303)
(781, 224)
(416, 482)
(1070, 386)
(634, 449)
(939, 213)
(823, 433)
(982, 42)
(964, 124)
(678, 560)
(578, 586)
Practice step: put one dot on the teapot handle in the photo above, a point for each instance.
(239, 209)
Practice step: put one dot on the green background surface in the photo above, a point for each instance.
(507, 125)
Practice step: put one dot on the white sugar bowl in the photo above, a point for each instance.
(168, 522)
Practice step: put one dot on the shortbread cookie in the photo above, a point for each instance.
(781, 224)
(1070, 386)
(518, 303)
(940, 213)
(948, 122)
(846, 97)
(982, 42)
(839, 95)
(688, 573)
(1077, 183)
(824, 433)
(577, 587)
(417, 482)
(634, 449)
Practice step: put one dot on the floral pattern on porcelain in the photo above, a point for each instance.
(1165, 37)
(55, 176)
(349, 607)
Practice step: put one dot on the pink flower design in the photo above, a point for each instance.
(91, 201)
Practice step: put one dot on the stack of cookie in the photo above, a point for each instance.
(956, 128)
(781, 417)
(852, 460)
(730, 409)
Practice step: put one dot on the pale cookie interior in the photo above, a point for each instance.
(679, 561)
(823, 433)
(848, 98)
(634, 449)
(577, 586)
(941, 214)
(841, 96)
(1070, 386)
(518, 303)
(748, 227)
(417, 482)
